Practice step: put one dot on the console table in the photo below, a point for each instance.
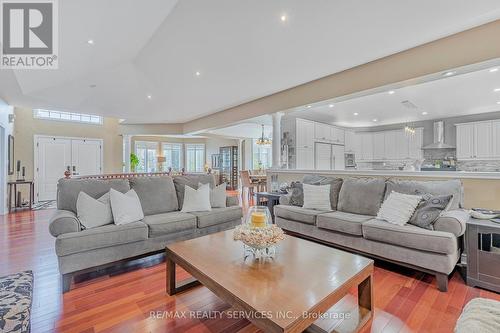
(483, 254)
(12, 190)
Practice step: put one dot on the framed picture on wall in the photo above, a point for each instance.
(10, 152)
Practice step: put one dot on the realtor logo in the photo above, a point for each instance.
(29, 34)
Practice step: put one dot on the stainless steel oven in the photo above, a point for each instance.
(350, 160)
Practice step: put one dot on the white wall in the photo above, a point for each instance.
(5, 130)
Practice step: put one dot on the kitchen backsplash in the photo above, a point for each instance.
(479, 166)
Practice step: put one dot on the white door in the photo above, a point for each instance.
(390, 144)
(86, 157)
(483, 140)
(338, 156)
(379, 146)
(465, 139)
(323, 158)
(54, 157)
(305, 158)
(305, 134)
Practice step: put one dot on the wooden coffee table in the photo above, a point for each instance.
(285, 294)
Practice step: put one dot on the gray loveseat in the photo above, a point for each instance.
(352, 224)
(161, 197)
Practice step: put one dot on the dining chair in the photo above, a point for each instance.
(246, 182)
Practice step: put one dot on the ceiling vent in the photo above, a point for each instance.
(409, 105)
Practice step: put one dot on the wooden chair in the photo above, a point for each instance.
(246, 182)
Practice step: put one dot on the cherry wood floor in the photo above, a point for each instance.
(405, 301)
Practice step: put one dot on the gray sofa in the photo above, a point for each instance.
(353, 226)
(81, 251)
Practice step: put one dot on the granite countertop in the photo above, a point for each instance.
(395, 173)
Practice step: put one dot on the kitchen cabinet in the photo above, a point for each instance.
(465, 139)
(337, 135)
(305, 133)
(322, 132)
(350, 137)
(305, 158)
(495, 131)
(366, 146)
(415, 143)
(402, 145)
(483, 140)
(390, 145)
(379, 145)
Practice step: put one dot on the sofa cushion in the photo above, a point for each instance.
(192, 181)
(298, 214)
(100, 237)
(157, 194)
(435, 187)
(167, 223)
(297, 196)
(361, 195)
(343, 222)
(68, 190)
(218, 216)
(410, 236)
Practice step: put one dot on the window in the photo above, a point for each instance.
(67, 116)
(262, 157)
(195, 157)
(173, 156)
(146, 152)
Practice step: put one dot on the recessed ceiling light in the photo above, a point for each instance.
(197, 73)
(390, 92)
(493, 70)
(355, 113)
(331, 105)
(496, 90)
(498, 102)
(149, 96)
(448, 73)
(424, 113)
(90, 42)
(375, 120)
(308, 106)
(283, 18)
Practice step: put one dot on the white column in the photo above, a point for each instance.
(127, 149)
(277, 139)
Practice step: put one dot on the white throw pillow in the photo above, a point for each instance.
(126, 207)
(93, 213)
(317, 197)
(398, 208)
(196, 200)
(218, 196)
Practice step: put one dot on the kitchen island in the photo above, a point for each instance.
(481, 189)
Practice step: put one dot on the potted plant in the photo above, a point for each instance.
(134, 162)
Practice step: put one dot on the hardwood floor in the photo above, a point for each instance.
(134, 300)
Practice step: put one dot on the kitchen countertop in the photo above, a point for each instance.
(395, 173)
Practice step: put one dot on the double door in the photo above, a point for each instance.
(55, 155)
(329, 157)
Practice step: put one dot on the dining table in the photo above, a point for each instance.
(261, 180)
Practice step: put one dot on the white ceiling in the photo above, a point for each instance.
(459, 95)
(241, 48)
(245, 130)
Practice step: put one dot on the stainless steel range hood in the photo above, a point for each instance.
(438, 138)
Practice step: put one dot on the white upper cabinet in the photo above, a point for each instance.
(465, 139)
(322, 132)
(350, 143)
(337, 135)
(366, 146)
(305, 133)
(483, 147)
(415, 143)
(379, 145)
(402, 145)
(390, 143)
(478, 140)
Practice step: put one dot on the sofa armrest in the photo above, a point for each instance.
(285, 199)
(453, 221)
(63, 222)
(232, 201)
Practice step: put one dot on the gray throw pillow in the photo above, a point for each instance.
(429, 210)
(218, 195)
(297, 197)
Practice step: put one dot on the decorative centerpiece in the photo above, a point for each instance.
(258, 234)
